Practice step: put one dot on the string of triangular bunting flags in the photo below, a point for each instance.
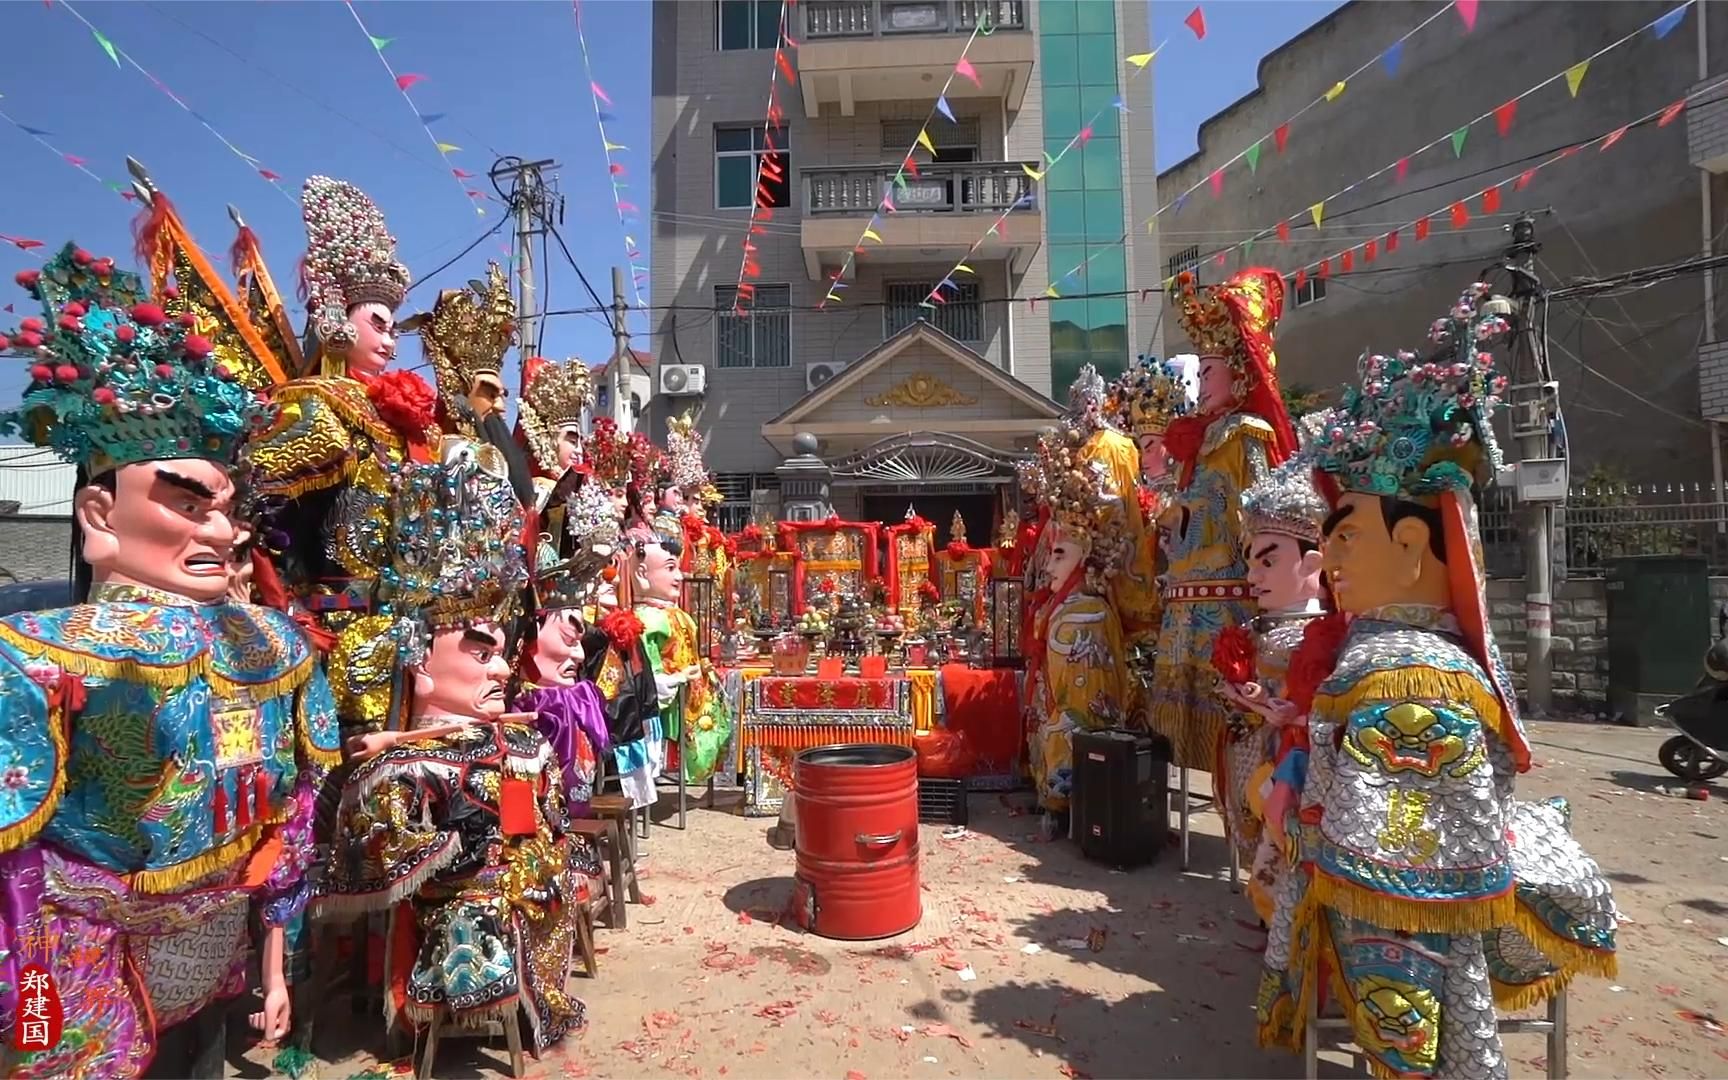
(117, 54)
(768, 163)
(1504, 115)
(615, 171)
(908, 161)
(407, 81)
(42, 136)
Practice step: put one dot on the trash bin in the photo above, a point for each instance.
(1658, 630)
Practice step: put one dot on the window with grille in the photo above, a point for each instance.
(954, 142)
(744, 155)
(1186, 259)
(1311, 291)
(733, 513)
(759, 337)
(748, 24)
(961, 318)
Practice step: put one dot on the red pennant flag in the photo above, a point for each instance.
(1284, 232)
(1031, 303)
(1217, 182)
(1467, 12)
(615, 169)
(1670, 113)
(599, 93)
(1491, 200)
(1422, 229)
(1615, 137)
(1301, 278)
(627, 208)
(73, 159)
(1218, 258)
(1504, 115)
(26, 245)
(1570, 150)
(472, 194)
(1403, 169)
(785, 66)
(1392, 241)
(910, 166)
(268, 175)
(403, 82)
(1325, 268)
(1280, 136)
(1460, 215)
(1085, 135)
(1369, 251)
(1196, 21)
(1524, 179)
(1347, 261)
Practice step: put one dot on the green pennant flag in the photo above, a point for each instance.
(379, 42)
(1247, 248)
(1253, 158)
(107, 47)
(1458, 138)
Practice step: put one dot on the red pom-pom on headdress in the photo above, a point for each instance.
(623, 629)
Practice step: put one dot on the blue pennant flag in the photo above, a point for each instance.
(430, 118)
(942, 107)
(608, 118)
(1665, 25)
(1181, 201)
(1392, 57)
(1118, 104)
(38, 132)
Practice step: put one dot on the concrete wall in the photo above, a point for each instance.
(1634, 205)
(35, 548)
(1580, 655)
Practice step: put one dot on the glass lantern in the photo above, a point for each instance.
(1007, 599)
(700, 600)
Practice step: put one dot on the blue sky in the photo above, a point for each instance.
(299, 87)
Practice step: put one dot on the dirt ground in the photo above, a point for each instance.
(997, 980)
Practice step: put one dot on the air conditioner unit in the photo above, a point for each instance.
(815, 375)
(683, 380)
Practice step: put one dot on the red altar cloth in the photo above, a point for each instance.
(806, 692)
(985, 704)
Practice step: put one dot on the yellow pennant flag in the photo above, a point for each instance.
(833, 299)
(1030, 171)
(870, 234)
(962, 268)
(1140, 60)
(924, 141)
(1575, 76)
(1052, 293)
(628, 239)
(1337, 89)
(448, 148)
(1317, 211)
(1170, 283)
(612, 146)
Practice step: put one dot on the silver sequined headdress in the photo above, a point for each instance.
(350, 259)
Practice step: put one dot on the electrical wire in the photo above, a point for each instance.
(599, 304)
(421, 279)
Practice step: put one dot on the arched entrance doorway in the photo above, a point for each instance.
(935, 475)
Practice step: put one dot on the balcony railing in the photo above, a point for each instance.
(881, 18)
(989, 186)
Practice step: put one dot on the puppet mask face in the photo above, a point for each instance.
(657, 574)
(1154, 462)
(558, 653)
(1217, 384)
(166, 525)
(1281, 576)
(374, 341)
(1066, 553)
(1370, 566)
(463, 675)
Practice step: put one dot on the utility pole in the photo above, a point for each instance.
(1533, 410)
(534, 200)
(622, 413)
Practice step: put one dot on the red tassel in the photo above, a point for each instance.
(516, 806)
(240, 255)
(262, 795)
(147, 229)
(219, 807)
(243, 800)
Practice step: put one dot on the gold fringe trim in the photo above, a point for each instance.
(1420, 682)
(1412, 916)
(166, 679)
(1565, 954)
(295, 489)
(312, 752)
(171, 878)
(347, 399)
(22, 832)
(1283, 1029)
(1516, 998)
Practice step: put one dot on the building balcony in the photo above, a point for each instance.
(940, 214)
(1707, 125)
(903, 50)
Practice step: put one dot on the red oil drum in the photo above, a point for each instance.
(857, 811)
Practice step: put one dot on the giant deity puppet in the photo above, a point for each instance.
(160, 747)
(1077, 678)
(457, 826)
(1239, 431)
(331, 452)
(1431, 897)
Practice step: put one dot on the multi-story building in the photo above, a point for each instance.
(908, 403)
(1627, 362)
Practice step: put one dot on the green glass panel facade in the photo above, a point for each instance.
(1079, 66)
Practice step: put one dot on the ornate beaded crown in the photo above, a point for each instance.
(1416, 428)
(455, 554)
(554, 398)
(591, 537)
(1088, 398)
(619, 459)
(1285, 502)
(684, 456)
(1077, 494)
(115, 382)
(1148, 396)
(350, 258)
(467, 333)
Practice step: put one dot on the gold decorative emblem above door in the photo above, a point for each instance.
(922, 391)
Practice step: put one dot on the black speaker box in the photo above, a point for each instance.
(1121, 801)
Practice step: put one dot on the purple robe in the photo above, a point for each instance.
(564, 714)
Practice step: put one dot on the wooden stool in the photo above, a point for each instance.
(620, 855)
(597, 904)
(512, 1025)
(1553, 1026)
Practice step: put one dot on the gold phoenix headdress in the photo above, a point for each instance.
(554, 397)
(350, 259)
(465, 335)
(1148, 396)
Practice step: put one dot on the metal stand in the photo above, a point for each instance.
(1186, 806)
(1553, 1026)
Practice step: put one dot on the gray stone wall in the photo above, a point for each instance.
(1580, 635)
(34, 548)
